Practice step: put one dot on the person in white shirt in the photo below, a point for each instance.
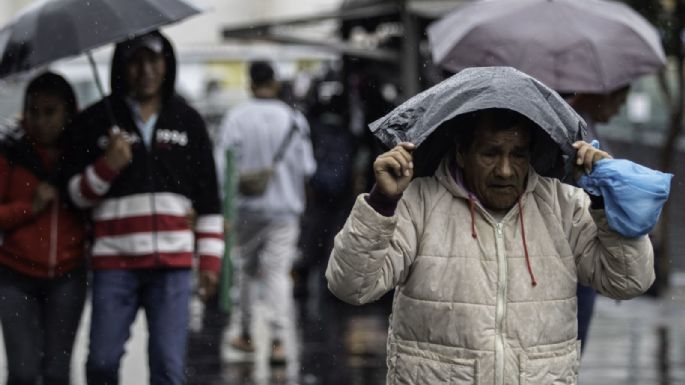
(268, 224)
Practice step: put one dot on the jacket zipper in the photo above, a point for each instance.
(153, 206)
(501, 306)
(155, 240)
(54, 223)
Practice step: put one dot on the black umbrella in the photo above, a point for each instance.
(49, 30)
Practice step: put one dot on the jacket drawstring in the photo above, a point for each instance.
(472, 206)
(525, 246)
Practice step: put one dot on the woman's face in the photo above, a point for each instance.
(45, 116)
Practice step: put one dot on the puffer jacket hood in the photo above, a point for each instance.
(117, 75)
(423, 119)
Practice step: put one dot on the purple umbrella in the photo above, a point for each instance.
(592, 46)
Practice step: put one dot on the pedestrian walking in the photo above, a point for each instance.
(42, 253)
(273, 155)
(150, 182)
(330, 195)
(597, 108)
(484, 252)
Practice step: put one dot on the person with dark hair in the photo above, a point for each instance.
(485, 253)
(42, 254)
(598, 108)
(149, 180)
(261, 74)
(273, 155)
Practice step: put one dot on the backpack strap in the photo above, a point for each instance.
(286, 141)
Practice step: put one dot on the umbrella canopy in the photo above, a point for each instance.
(592, 46)
(49, 30)
(425, 119)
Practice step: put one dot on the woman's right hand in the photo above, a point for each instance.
(394, 170)
(44, 194)
(118, 153)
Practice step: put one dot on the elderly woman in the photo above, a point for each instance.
(484, 253)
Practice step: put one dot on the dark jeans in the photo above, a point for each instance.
(204, 346)
(117, 296)
(586, 306)
(40, 318)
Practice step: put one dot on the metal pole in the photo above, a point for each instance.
(230, 197)
(98, 83)
(410, 54)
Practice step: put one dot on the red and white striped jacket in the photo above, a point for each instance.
(141, 215)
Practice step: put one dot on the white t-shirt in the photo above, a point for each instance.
(254, 130)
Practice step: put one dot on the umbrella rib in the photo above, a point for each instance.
(626, 28)
(39, 8)
(595, 61)
(638, 20)
(97, 42)
(51, 30)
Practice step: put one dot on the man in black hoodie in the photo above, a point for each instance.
(141, 160)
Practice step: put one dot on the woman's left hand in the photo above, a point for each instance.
(586, 155)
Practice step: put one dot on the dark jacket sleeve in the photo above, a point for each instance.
(84, 175)
(205, 196)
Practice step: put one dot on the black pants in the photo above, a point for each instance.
(40, 318)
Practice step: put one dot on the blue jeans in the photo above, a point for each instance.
(39, 322)
(586, 305)
(117, 296)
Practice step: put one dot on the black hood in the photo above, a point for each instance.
(117, 76)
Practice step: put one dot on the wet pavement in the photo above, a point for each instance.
(641, 341)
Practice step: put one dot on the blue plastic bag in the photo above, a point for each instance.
(633, 194)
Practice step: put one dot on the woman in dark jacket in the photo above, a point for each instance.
(42, 273)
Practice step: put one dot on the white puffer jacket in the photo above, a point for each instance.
(465, 309)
